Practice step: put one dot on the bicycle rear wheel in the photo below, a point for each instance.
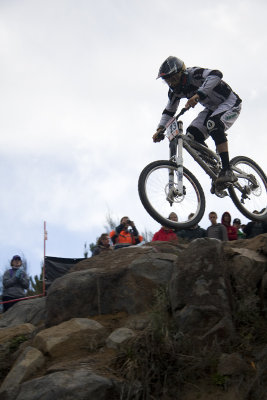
(154, 191)
(249, 193)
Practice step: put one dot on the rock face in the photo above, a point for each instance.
(125, 281)
(82, 383)
(72, 335)
(29, 311)
(198, 291)
(27, 364)
(64, 346)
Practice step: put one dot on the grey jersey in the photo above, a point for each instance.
(207, 83)
(217, 231)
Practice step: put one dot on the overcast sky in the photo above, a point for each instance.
(80, 102)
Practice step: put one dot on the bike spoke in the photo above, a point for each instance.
(249, 193)
(164, 197)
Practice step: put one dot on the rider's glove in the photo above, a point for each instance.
(159, 135)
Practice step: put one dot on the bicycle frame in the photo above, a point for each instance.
(183, 141)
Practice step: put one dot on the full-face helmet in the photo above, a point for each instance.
(171, 66)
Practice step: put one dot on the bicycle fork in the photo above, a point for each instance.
(177, 143)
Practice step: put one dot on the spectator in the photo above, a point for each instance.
(165, 234)
(173, 217)
(216, 230)
(237, 224)
(231, 230)
(192, 233)
(123, 236)
(15, 281)
(255, 228)
(102, 245)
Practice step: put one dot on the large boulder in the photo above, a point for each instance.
(125, 282)
(13, 332)
(26, 311)
(75, 335)
(198, 292)
(258, 244)
(245, 268)
(26, 365)
(79, 384)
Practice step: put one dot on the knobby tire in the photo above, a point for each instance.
(257, 199)
(191, 185)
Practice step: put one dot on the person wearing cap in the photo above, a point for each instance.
(15, 282)
(237, 224)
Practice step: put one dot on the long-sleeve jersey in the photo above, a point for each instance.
(217, 231)
(207, 83)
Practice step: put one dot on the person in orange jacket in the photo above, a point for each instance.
(125, 234)
(231, 230)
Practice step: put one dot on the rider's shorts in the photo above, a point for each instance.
(226, 113)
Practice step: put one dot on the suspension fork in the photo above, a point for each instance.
(177, 143)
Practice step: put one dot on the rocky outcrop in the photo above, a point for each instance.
(29, 311)
(125, 281)
(65, 346)
(198, 292)
(77, 334)
(30, 361)
(80, 384)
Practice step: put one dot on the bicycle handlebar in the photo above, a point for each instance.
(183, 110)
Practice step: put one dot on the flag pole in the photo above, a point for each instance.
(45, 239)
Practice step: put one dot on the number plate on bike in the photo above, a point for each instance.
(172, 130)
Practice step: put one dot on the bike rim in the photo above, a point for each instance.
(251, 194)
(157, 192)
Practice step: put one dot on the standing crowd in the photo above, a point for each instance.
(126, 233)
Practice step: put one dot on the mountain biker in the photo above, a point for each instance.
(222, 106)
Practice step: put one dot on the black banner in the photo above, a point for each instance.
(57, 266)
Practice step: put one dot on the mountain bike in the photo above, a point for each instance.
(166, 186)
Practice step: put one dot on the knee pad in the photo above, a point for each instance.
(216, 130)
(195, 134)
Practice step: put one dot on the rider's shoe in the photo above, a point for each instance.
(226, 176)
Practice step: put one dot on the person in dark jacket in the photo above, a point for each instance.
(255, 228)
(192, 233)
(102, 245)
(15, 282)
(231, 230)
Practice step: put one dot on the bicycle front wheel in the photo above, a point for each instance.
(159, 195)
(249, 193)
